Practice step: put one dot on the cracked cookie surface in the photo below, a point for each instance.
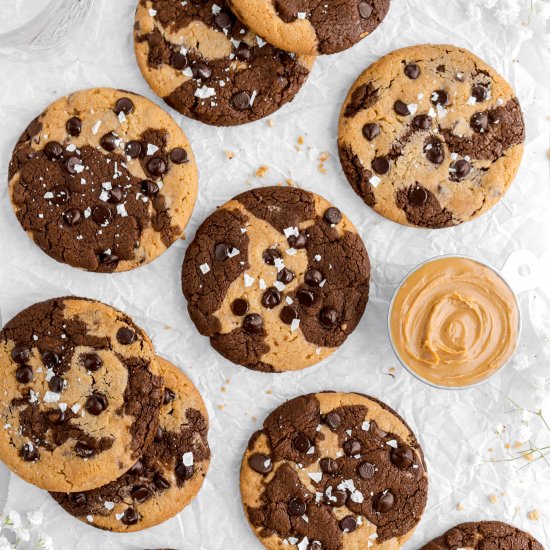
(207, 65)
(430, 136)
(277, 278)
(333, 471)
(167, 476)
(312, 26)
(81, 394)
(103, 180)
(481, 535)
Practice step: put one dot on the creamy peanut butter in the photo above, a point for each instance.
(454, 322)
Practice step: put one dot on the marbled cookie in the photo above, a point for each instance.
(207, 65)
(333, 471)
(167, 476)
(484, 535)
(103, 180)
(277, 278)
(312, 26)
(431, 136)
(80, 394)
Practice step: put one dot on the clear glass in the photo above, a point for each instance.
(35, 28)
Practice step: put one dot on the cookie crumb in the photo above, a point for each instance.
(460, 506)
(493, 499)
(533, 515)
(262, 171)
(229, 154)
(270, 122)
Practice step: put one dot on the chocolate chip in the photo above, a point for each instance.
(56, 383)
(61, 195)
(241, 101)
(402, 457)
(337, 498)
(101, 214)
(296, 507)
(71, 163)
(84, 450)
(333, 420)
(169, 396)
(133, 149)
(136, 469)
(352, 447)
(297, 241)
(366, 470)
(179, 61)
(365, 10)
(285, 276)
(178, 155)
(53, 150)
(301, 443)
(348, 524)
(329, 465)
(381, 165)
(313, 277)
(434, 153)
(328, 316)
(140, 493)
(50, 359)
(314, 545)
(184, 472)
(271, 298)
(29, 453)
(108, 258)
(260, 463)
(74, 126)
(332, 216)
(288, 314)
(243, 52)
(480, 93)
(253, 323)
(159, 435)
(77, 499)
(161, 482)
(223, 20)
(125, 336)
(149, 188)
(92, 361)
(56, 417)
(96, 404)
(130, 517)
(479, 122)
(109, 141)
(23, 374)
(124, 105)
(461, 168)
(305, 297)
(201, 70)
(418, 195)
(116, 194)
(383, 502)
(72, 216)
(422, 122)
(371, 131)
(157, 166)
(269, 256)
(20, 354)
(412, 71)
(401, 108)
(239, 307)
(221, 252)
(440, 97)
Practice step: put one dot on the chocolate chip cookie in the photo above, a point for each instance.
(81, 394)
(333, 471)
(277, 278)
(312, 26)
(484, 535)
(207, 65)
(103, 180)
(431, 136)
(167, 476)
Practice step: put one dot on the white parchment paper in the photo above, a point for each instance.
(457, 428)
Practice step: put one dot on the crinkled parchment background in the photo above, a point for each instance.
(457, 429)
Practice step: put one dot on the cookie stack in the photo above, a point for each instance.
(90, 413)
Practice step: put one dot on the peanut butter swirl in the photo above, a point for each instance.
(454, 322)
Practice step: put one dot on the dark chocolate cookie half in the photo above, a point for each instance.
(333, 471)
(103, 180)
(167, 476)
(207, 65)
(81, 394)
(431, 136)
(277, 278)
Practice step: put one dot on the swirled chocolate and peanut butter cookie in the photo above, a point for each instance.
(312, 26)
(207, 65)
(277, 278)
(167, 476)
(431, 136)
(103, 180)
(481, 535)
(81, 394)
(333, 471)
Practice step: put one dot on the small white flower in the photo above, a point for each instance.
(36, 517)
(45, 542)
